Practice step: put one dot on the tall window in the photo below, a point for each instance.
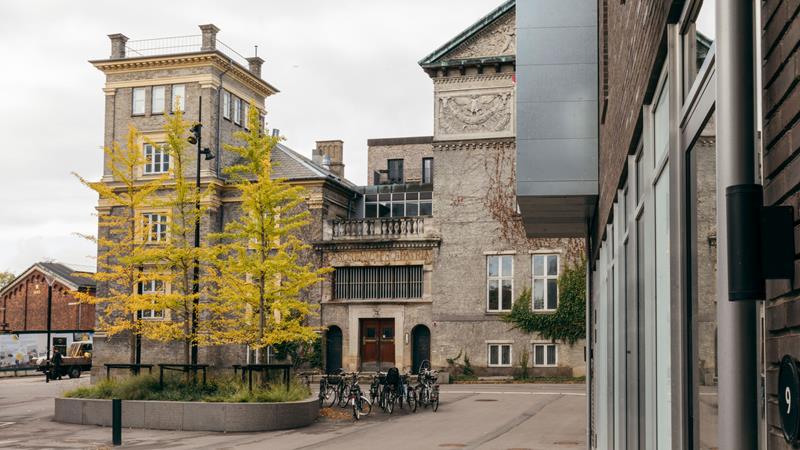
(545, 282)
(138, 101)
(661, 125)
(500, 282)
(156, 159)
(237, 110)
(158, 100)
(226, 105)
(152, 287)
(395, 171)
(427, 170)
(499, 355)
(379, 282)
(155, 227)
(246, 115)
(545, 355)
(178, 97)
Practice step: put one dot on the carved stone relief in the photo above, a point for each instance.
(462, 114)
(499, 39)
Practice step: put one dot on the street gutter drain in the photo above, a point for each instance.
(486, 400)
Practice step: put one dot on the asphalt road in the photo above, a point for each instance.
(501, 417)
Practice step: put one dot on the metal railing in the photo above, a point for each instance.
(378, 227)
(179, 44)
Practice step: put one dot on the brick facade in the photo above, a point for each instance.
(781, 168)
(25, 304)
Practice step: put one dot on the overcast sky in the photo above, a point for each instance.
(346, 70)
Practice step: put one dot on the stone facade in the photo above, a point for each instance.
(473, 218)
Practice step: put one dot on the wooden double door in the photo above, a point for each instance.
(377, 344)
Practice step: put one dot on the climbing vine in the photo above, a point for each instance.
(568, 322)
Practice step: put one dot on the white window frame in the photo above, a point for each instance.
(151, 167)
(152, 287)
(138, 101)
(246, 114)
(499, 278)
(157, 101)
(237, 110)
(181, 97)
(545, 362)
(499, 347)
(544, 278)
(155, 235)
(226, 105)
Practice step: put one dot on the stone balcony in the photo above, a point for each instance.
(377, 229)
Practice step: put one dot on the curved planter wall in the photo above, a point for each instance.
(190, 416)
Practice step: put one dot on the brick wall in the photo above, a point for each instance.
(781, 168)
(26, 307)
(633, 43)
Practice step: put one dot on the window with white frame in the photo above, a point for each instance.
(500, 282)
(156, 159)
(499, 355)
(148, 288)
(545, 355)
(158, 100)
(237, 110)
(138, 101)
(155, 227)
(545, 282)
(226, 105)
(246, 115)
(178, 97)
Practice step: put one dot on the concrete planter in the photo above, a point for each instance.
(190, 416)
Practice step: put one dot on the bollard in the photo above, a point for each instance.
(116, 422)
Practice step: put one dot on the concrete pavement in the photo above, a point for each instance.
(496, 417)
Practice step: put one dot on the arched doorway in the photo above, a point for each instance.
(333, 349)
(420, 346)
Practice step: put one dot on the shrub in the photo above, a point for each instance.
(523, 367)
(177, 388)
(467, 370)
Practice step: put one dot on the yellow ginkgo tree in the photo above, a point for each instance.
(122, 248)
(259, 277)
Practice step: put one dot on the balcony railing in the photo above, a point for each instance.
(380, 228)
(178, 44)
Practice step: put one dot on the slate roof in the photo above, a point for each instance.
(291, 165)
(74, 279)
(435, 58)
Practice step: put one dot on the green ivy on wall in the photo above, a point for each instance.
(568, 322)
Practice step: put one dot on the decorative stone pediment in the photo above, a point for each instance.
(497, 39)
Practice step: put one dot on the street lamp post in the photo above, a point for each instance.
(195, 138)
(50, 280)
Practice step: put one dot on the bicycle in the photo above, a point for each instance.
(361, 404)
(410, 394)
(375, 388)
(428, 389)
(327, 392)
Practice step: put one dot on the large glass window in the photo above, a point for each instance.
(158, 100)
(427, 170)
(500, 282)
(545, 282)
(151, 287)
(697, 38)
(398, 204)
(661, 125)
(237, 110)
(545, 355)
(662, 310)
(155, 227)
(226, 105)
(156, 159)
(138, 101)
(178, 97)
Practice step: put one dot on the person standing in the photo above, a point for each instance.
(57, 359)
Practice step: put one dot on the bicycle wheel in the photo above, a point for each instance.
(435, 400)
(412, 400)
(330, 396)
(425, 398)
(341, 395)
(361, 407)
(390, 403)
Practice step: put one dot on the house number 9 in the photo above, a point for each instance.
(788, 385)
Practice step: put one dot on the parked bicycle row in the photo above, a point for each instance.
(387, 391)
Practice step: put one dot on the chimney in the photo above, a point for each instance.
(118, 45)
(330, 152)
(255, 65)
(209, 37)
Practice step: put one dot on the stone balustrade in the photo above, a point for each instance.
(378, 228)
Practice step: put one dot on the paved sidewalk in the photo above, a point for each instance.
(471, 416)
